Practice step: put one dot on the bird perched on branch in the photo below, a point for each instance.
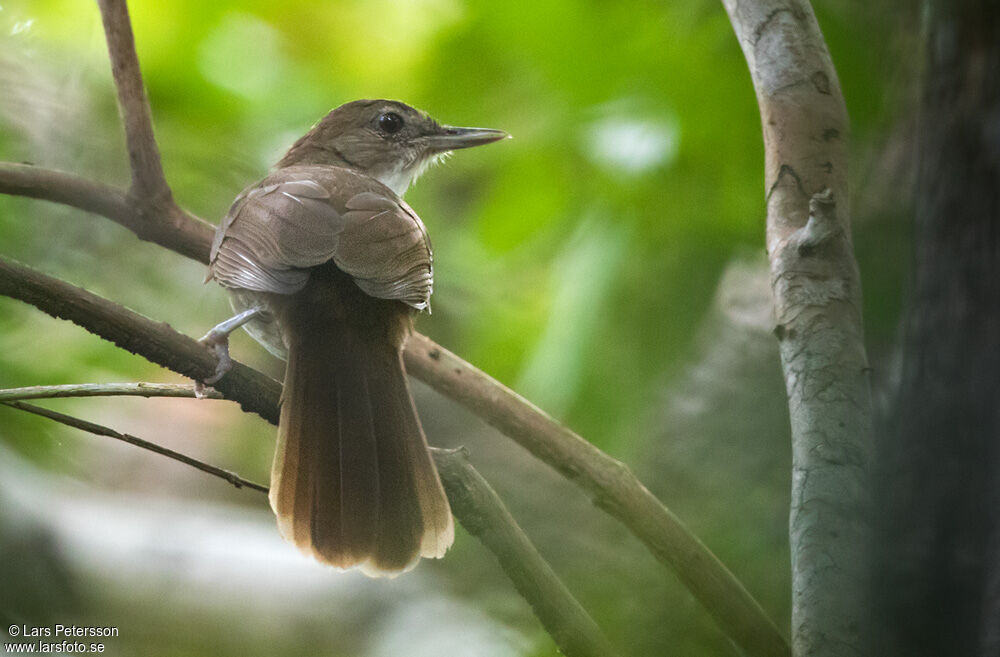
(327, 266)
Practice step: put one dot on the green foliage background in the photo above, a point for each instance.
(574, 262)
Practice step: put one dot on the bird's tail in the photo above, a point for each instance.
(353, 483)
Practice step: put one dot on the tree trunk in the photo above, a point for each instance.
(938, 581)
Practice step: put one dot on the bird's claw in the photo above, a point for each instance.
(218, 343)
(217, 340)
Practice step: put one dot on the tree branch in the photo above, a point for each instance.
(170, 226)
(99, 430)
(484, 515)
(184, 390)
(612, 486)
(609, 483)
(68, 189)
(148, 182)
(477, 507)
(817, 295)
(155, 341)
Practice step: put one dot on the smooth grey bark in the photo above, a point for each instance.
(817, 297)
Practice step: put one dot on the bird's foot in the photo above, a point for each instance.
(217, 340)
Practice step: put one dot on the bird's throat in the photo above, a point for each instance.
(400, 177)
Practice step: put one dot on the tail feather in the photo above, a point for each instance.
(439, 532)
(401, 523)
(353, 483)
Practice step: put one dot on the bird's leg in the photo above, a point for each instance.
(218, 341)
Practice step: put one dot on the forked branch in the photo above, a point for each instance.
(154, 217)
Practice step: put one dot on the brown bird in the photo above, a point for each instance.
(327, 266)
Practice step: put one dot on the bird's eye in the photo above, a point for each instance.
(390, 122)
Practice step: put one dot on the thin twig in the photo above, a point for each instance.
(148, 182)
(484, 515)
(611, 484)
(99, 430)
(184, 390)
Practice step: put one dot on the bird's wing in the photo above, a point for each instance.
(302, 217)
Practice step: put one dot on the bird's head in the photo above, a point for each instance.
(385, 139)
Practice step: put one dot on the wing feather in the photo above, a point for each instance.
(305, 216)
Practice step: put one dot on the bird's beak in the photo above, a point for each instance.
(451, 138)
